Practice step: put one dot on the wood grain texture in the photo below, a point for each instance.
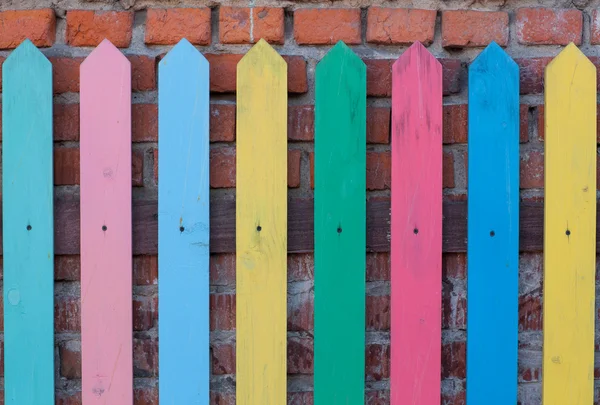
(261, 219)
(183, 225)
(27, 188)
(106, 290)
(416, 228)
(340, 222)
(569, 232)
(493, 229)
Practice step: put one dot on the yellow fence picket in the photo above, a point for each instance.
(261, 228)
(569, 229)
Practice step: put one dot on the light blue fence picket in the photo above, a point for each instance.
(183, 226)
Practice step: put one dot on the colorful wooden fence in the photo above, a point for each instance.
(261, 228)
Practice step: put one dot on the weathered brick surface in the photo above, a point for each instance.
(327, 26)
(36, 25)
(462, 28)
(545, 26)
(89, 28)
(302, 33)
(400, 26)
(242, 25)
(168, 26)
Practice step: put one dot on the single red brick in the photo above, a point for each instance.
(222, 269)
(523, 123)
(67, 268)
(67, 314)
(595, 27)
(379, 170)
(300, 267)
(531, 74)
(530, 313)
(89, 28)
(296, 71)
(448, 170)
(241, 25)
(377, 362)
(145, 313)
(300, 355)
(145, 270)
(293, 169)
(222, 123)
(145, 357)
(455, 124)
(144, 123)
(145, 396)
(39, 26)
(454, 360)
(400, 26)
(66, 166)
(143, 72)
(321, 26)
(301, 123)
(137, 168)
(223, 359)
(378, 266)
(468, 28)
(451, 72)
(65, 74)
(546, 26)
(454, 265)
(222, 167)
(66, 122)
(379, 77)
(222, 311)
(532, 169)
(223, 70)
(300, 312)
(378, 312)
(70, 359)
(168, 26)
(378, 125)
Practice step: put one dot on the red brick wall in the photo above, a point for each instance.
(303, 32)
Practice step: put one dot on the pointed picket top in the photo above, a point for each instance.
(493, 57)
(26, 50)
(263, 52)
(182, 52)
(105, 50)
(340, 51)
(416, 50)
(571, 55)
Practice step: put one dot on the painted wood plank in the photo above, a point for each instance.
(340, 228)
(28, 227)
(416, 228)
(106, 290)
(569, 229)
(183, 227)
(261, 228)
(493, 229)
